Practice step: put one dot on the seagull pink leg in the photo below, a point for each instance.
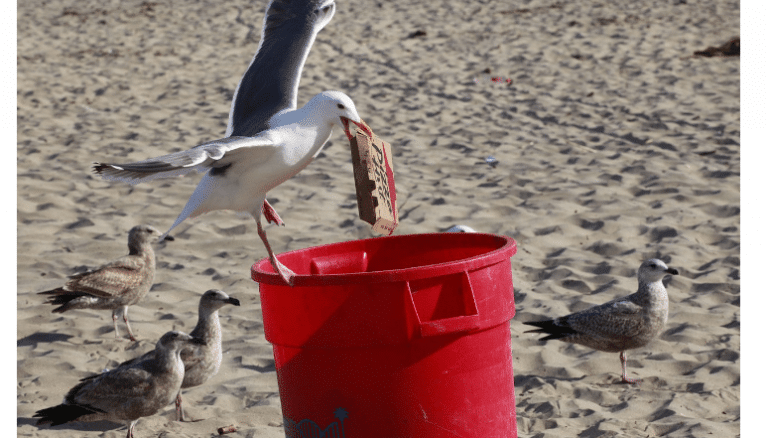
(270, 214)
(179, 408)
(114, 321)
(124, 311)
(128, 325)
(624, 378)
(284, 272)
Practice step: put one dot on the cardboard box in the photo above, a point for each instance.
(374, 181)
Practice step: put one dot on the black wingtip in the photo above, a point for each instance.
(98, 168)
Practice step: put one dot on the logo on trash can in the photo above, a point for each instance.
(307, 428)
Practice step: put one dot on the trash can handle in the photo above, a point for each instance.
(454, 324)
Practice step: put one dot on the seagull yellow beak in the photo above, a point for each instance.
(346, 121)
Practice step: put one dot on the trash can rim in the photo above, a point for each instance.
(506, 249)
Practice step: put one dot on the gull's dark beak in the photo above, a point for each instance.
(672, 271)
(233, 301)
(169, 238)
(345, 122)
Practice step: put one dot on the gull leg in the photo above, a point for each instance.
(179, 408)
(114, 321)
(624, 378)
(284, 272)
(127, 325)
(130, 429)
(270, 214)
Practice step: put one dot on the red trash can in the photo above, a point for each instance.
(394, 337)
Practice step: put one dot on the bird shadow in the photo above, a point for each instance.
(95, 426)
(261, 369)
(522, 379)
(37, 338)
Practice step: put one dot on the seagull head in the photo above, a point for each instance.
(143, 232)
(340, 110)
(140, 235)
(176, 341)
(214, 299)
(654, 270)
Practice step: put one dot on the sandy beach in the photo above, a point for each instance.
(611, 144)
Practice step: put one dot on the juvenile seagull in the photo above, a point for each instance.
(241, 170)
(619, 325)
(133, 390)
(115, 285)
(202, 360)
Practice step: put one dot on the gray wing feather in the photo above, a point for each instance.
(200, 158)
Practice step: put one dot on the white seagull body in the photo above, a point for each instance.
(241, 170)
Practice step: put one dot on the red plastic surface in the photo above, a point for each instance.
(400, 336)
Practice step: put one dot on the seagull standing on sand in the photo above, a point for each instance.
(619, 325)
(202, 361)
(133, 390)
(115, 285)
(268, 140)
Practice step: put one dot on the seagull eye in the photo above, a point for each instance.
(326, 9)
(340, 106)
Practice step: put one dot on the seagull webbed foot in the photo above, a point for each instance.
(270, 214)
(284, 272)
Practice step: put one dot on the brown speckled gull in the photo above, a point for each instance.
(115, 285)
(619, 325)
(135, 389)
(202, 361)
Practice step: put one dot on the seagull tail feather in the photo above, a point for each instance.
(553, 328)
(63, 413)
(65, 299)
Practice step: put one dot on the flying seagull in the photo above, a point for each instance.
(241, 170)
(622, 324)
(271, 82)
(268, 139)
